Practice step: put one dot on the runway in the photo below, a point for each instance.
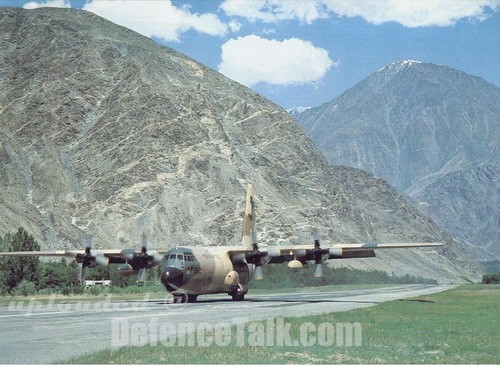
(34, 333)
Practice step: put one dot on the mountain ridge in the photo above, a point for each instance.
(413, 123)
(120, 138)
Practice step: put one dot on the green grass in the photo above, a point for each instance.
(138, 293)
(328, 288)
(457, 326)
(44, 299)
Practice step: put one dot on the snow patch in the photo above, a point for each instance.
(297, 110)
(398, 66)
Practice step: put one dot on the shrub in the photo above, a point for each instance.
(25, 288)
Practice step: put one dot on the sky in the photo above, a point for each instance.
(306, 52)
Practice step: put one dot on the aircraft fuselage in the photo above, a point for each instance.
(194, 271)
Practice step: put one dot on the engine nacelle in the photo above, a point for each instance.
(335, 253)
(273, 252)
(125, 269)
(295, 266)
(157, 258)
(127, 254)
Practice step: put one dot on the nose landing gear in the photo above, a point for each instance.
(182, 298)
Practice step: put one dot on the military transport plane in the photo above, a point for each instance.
(189, 271)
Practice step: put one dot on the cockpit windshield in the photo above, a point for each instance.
(179, 259)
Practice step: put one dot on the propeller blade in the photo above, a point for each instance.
(81, 272)
(258, 274)
(318, 272)
(253, 230)
(142, 275)
(315, 234)
(101, 260)
(157, 258)
(90, 241)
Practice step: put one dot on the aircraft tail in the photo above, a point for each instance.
(249, 234)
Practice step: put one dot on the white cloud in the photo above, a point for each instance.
(410, 13)
(234, 26)
(252, 59)
(268, 31)
(48, 3)
(157, 18)
(422, 13)
(273, 11)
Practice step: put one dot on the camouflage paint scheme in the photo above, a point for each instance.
(187, 272)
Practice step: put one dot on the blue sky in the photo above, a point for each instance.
(306, 52)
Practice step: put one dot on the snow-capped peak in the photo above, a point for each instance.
(399, 65)
(296, 110)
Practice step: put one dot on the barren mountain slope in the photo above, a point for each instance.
(105, 133)
(432, 132)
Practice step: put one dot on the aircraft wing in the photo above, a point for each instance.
(281, 254)
(111, 253)
(136, 261)
(114, 255)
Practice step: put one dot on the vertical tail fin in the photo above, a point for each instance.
(248, 236)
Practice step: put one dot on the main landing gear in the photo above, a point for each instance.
(238, 294)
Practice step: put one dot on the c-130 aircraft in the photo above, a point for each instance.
(189, 271)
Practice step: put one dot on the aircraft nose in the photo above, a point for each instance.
(172, 278)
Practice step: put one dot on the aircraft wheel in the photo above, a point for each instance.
(180, 299)
(238, 297)
(192, 298)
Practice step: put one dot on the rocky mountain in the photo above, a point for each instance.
(103, 132)
(294, 112)
(433, 133)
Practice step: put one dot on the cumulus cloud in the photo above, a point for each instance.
(234, 26)
(158, 18)
(412, 14)
(272, 11)
(48, 3)
(252, 59)
(409, 13)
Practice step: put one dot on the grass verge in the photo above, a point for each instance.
(459, 326)
(153, 293)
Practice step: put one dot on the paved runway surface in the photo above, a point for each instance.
(31, 333)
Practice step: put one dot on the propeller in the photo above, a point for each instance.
(317, 253)
(141, 261)
(88, 259)
(255, 257)
(258, 274)
(145, 261)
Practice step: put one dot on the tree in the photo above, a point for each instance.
(20, 268)
(58, 274)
